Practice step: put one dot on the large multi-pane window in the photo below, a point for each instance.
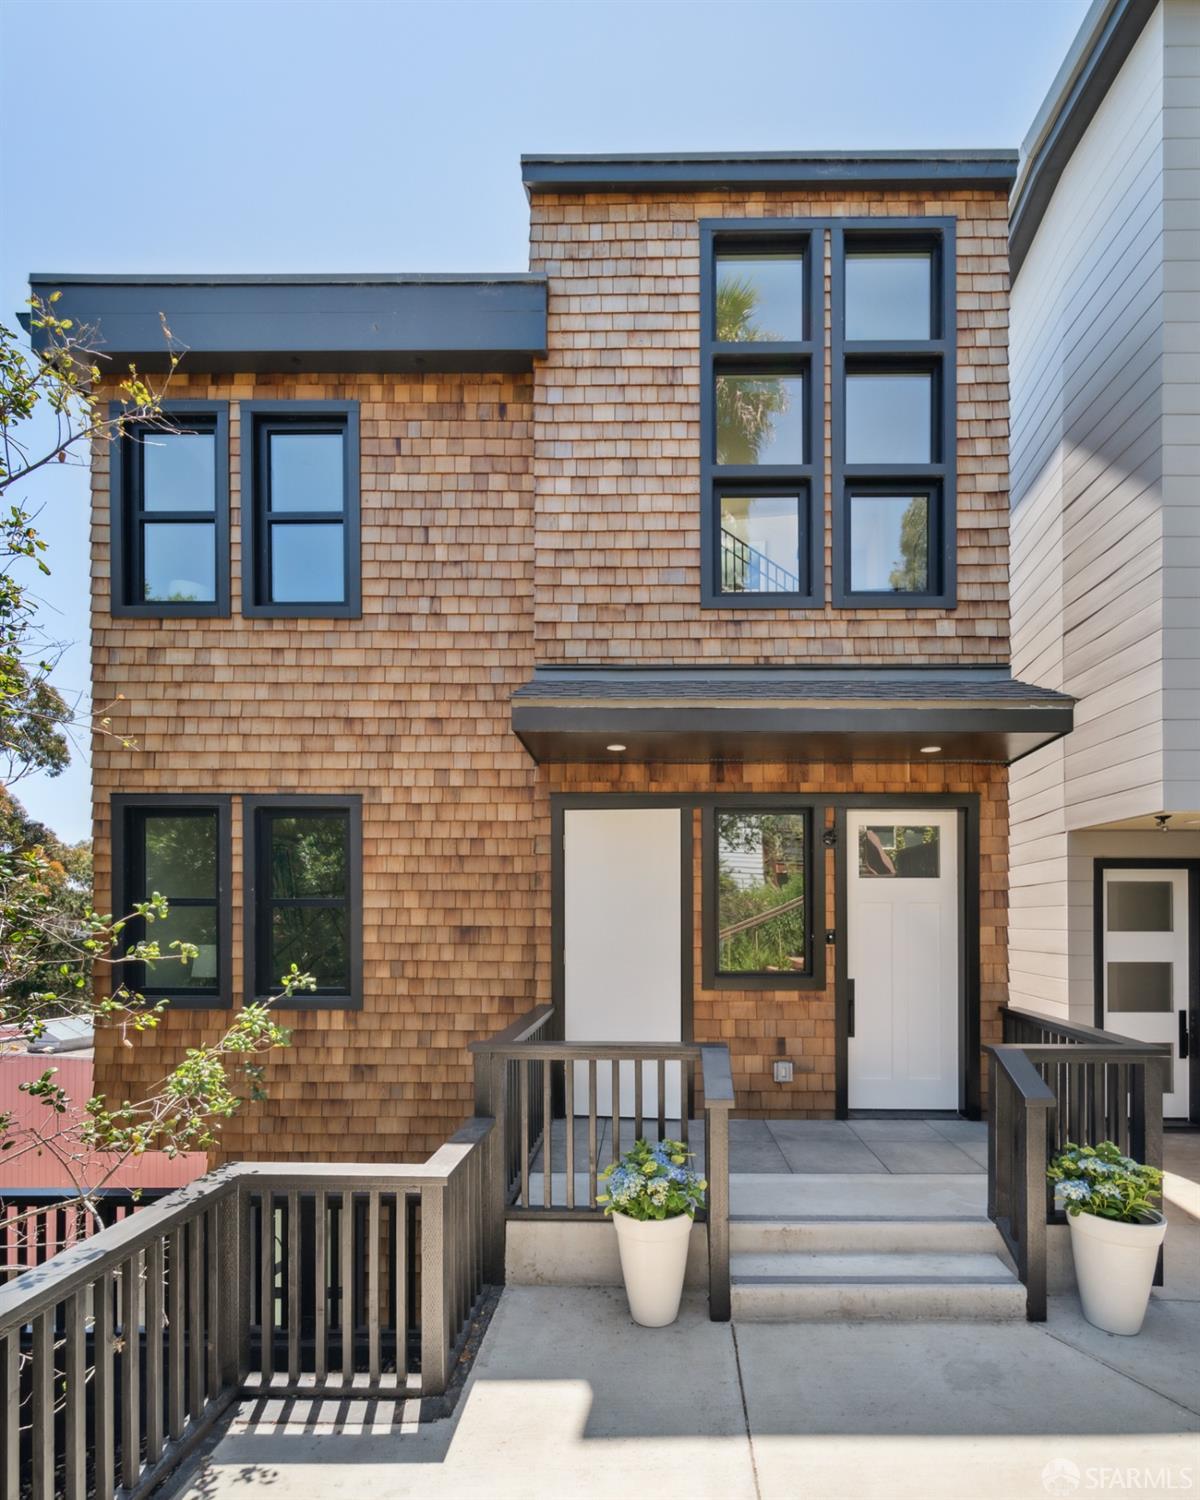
(894, 415)
(304, 907)
(300, 471)
(761, 426)
(171, 514)
(176, 848)
(760, 907)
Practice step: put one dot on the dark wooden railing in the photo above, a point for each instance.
(263, 1277)
(36, 1223)
(547, 1093)
(1051, 1082)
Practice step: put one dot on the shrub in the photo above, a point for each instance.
(653, 1182)
(1100, 1180)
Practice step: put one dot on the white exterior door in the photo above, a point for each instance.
(622, 942)
(1145, 963)
(903, 956)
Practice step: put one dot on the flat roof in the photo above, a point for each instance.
(346, 322)
(694, 171)
(1102, 43)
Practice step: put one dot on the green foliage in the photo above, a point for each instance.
(1101, 1180)
(913, 573)
(773, 845)
(746, 410)
(653, 1182)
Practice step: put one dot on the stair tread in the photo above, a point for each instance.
(878, 1268)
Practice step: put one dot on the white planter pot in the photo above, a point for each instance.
(653, 1260)
(1114, 1267)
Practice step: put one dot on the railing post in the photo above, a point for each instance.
(1033, 1218)
(716, 1145)
(233, 1308)
(491, 1102)
(435, 1279)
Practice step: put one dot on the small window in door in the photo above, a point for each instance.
(1140, 906)
(1141, 987)
(899, 851)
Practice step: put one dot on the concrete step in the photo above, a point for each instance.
(866, 1235)
(789, 1286)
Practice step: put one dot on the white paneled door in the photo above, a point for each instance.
(1145, 964)
(903, 956)
(622, 941)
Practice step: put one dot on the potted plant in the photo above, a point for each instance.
(1116, 1231)
(653, 1195)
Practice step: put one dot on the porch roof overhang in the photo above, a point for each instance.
(847, 715)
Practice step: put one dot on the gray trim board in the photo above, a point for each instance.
(1104, 41)
(383, 324)
(700, 171)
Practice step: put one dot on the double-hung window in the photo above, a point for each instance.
(170, 513)
(300, 482)
(893, 423)
(177, 847)
(304, 897)
(761, 426)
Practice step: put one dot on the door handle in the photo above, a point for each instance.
(850, 1007)
(1184, 1038)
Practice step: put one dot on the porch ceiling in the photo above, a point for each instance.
(684, 714)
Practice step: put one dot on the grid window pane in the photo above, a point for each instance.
(759, 298)
(181, 855)
(1144, 988)
(1140, 906)
(307, 471)
(889, 418)
(188, 924)
(179, 562)
(761, 893)
(760, 419)
(308, 855)
(179, 470)
(888, 296)
(889, 544)
(307, 562)
(314, 939)
(905, 853)
(760, 544)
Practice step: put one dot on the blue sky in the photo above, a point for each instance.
(268, 135)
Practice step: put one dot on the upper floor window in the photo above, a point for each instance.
(762, 432)
(300, 479)
(176, 847)
(304, 900)
(894, 413)
(170, 514)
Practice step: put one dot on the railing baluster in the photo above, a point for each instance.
(42, 1437)
(103, 1402)
(523, 1110)
(176, 1401)
(593, 1154)
(131, 1435)
(10, 1433)
(346, 1297)
(75, 1397)
(154, 1351)
(266, 1284)
(662, 1098)
(195, 1316)
(547, 1139)
(320, 1287)
(373, 1298)
(400, 1280)
(569, 1110)
(616, 1109)
(687, 1087)
(292, 1283)
(638, 1125)
(212, 1266)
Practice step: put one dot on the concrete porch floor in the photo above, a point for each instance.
(568, 1396)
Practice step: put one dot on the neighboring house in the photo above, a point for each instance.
(1105, 923)
(460, 611)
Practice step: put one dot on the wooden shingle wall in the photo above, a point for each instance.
(617, 440)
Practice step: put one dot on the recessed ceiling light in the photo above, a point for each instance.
(930, 749)
(616, 749)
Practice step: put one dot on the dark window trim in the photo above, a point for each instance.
(122, 471)
(254, 414)
(121, 805)
(252, 806)
(932, 488)
(938, 353)
(813, 976)
(1100, 864)
(806, 357)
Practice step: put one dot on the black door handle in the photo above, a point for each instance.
(849, 1007)
(1184, 1038)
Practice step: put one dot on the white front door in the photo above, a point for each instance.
(622, 942)
(1145, 963)
(903, 956)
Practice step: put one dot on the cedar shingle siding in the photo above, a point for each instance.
(506, 521)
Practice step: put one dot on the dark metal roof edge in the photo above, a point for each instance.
(689, 171)
(1103, 42)
(366, 278)
(529, 718)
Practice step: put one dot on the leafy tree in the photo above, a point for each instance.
(58, 956)
(912, 576)
(761, 891)
(746, 408)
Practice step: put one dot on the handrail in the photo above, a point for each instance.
(759, 918)
(1025, 1077)
(753, 563)
(600, 1051)
(524, 1026)
(1074, 1031)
